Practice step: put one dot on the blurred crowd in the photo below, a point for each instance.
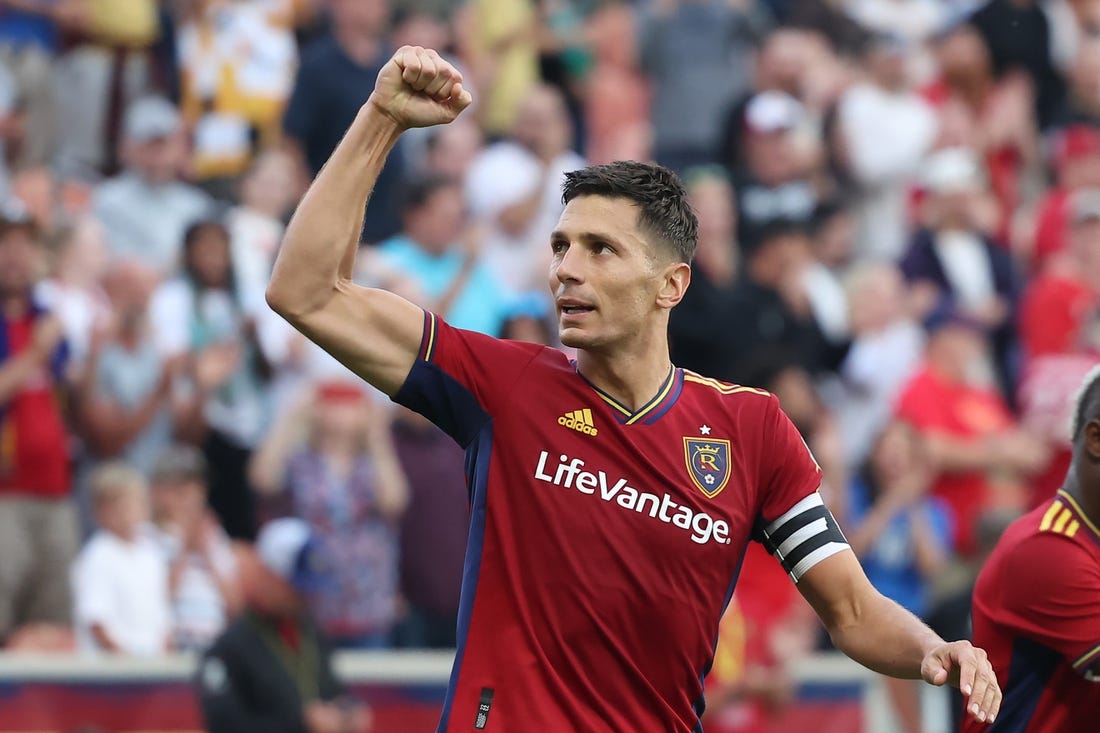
(899, 205)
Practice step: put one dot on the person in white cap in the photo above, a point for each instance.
(271, 670)
(147, 207)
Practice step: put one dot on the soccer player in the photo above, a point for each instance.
(612, 498)
(1037, 600)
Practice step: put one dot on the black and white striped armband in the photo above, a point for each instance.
(804, 536)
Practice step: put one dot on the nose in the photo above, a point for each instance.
(568, 267)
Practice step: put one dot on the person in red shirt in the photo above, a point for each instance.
(1067, 294)
(977, 453)
(38, 529)
(1036, 600)
(612, 496)
(1076, 153)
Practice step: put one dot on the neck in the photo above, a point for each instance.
(633, 377)
(1090, 503)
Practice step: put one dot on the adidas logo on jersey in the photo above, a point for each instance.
(579, 420)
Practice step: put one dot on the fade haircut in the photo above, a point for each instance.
(1087, 405)
(658, 193)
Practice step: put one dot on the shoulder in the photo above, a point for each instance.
(1043, 553)
(728, 393)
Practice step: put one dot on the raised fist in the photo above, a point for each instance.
(417, 88)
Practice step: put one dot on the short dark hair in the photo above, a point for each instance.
(658, 192)
(419, 189)
(1087, 406)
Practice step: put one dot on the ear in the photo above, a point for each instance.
(1092, 439)
(674, 283)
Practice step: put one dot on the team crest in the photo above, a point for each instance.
(708, 462)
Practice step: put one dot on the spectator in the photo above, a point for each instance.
(335, 74)
(11, 126)
(715, 277)
(514, 189)
(498, 39)
(207, 315)
(449, 275)
(120, 579)
(696, 53)
(886, 129)
(1082, 104)
(832, 233)
(617, 98)
(1018, 34)
(978, 455)
(147, 208)
(774, 183)
(126, 403)
(451, 149)
(530, 318)
(433, 531)
(73, 291)
(915, 20)
(953, 258)
(203, 586)
(268, 189)
(272, 669)
(38, 528)
(344, 480)
(237, 66)
(106, 67)
(28, 44)
(990, 115)
(782, 65)
(902, 538)
(1064, 298)
(886, 350)
(1076, 161)
(772, 311)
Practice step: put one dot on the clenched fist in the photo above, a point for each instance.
(417, 88)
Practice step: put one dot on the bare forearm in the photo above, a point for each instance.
(14, 373)
(958, 455)
(393, 487)
(322, 238)
(886, 638)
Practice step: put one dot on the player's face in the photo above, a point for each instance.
(608, 282)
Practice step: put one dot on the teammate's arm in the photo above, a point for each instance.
(374, 333)
(881, 635)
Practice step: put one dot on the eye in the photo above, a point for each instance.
(558, 246)
(603, 248)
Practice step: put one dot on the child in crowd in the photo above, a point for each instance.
(120, 579)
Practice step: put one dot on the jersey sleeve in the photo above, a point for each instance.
(792, 522)
(1051, 595)
(462, 379)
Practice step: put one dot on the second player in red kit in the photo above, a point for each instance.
(613, 497)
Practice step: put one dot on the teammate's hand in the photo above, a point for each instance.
(417, 88)
(968, 668)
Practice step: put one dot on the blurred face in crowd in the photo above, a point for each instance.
(83, 255)
(527, 329)
(208, 256)
(712, 199)
(834, 239)
(774, 259)
(453, 147)
(888, 67)
(611, 282)
(422, 29)
(20, 261)
(341, 420)
(954, 208)
(1085, 245)
(542, 123)
(876, 298)
(611, 28)
(124, 511)
(436, 224)
(960, 354)
(1084, 76)
(159, 160)
(180, 502)
(896, 453)
(782, 62)
(129, 285)
(271, 184)
(360, 16)
(964, 58)
(264, 590)
(771, 156)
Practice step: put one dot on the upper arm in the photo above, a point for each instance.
(373, 332)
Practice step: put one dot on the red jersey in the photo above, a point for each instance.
(604, 542)
(1037, 613)
(1052, 314)
(34, 453)
(933, 405)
